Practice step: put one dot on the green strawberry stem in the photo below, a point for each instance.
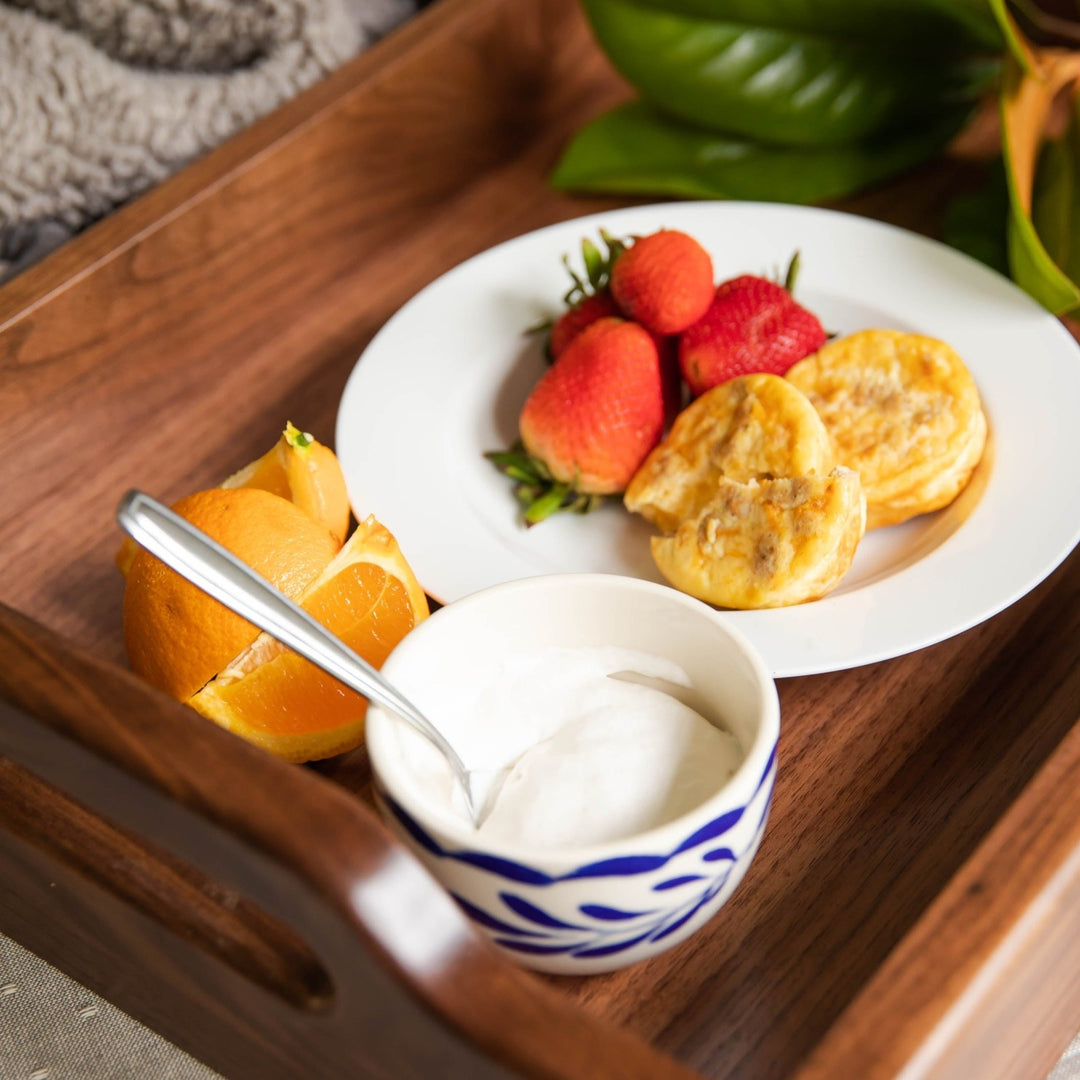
(534, 487)
(595, 264)
(522, 476)
(598, 266)
(526, 468)
(792, 273)
(547, 504)
(579, 290)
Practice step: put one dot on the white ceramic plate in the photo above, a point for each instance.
(444, 381)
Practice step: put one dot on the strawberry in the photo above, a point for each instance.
(589, 422)
(585, 312)
(664, 281)
(595, 306)
(752, 325)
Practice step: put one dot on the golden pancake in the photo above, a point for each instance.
(751, 427)
(903, 411)
(767, 543)
(939, 491)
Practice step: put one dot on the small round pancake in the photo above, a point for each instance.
(767, 543)
(752, 427)
(903, 411)
(938, 492)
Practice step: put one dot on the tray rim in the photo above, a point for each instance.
(88, 253)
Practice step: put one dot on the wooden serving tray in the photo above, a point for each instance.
(915, 907)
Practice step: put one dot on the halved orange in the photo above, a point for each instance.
(177, 637)
(298, 468)
(368, 596)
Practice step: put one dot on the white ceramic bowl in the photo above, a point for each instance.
(597, 908)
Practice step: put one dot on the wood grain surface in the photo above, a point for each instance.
(908, 911)
(995, 1020)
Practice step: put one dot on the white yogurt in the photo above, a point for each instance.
(590, 758)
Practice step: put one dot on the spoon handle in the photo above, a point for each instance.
(205, 563)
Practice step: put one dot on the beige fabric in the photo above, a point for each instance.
(53, 1029)
(1068, 1068)
(101, 99)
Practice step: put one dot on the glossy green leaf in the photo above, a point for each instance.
(1010, 35)
(1035, 272)
(594, 263)
(787, 87)
(1024, 101)
(636, 150)
(947, 23)
(1040, 248)
(1055, 210)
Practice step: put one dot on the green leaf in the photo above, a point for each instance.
(518, 464)
(1035, 272)
(981, 20)
(595, 266)
(975, 221)
(615, 246)
(1025, 99)
(554, 499)
(578, 289)
(1055, 210)
(790, 87)
(1009, 33)
(949, 23)
(792, 275)
(635, 150)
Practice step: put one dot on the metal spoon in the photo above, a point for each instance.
(205, 563)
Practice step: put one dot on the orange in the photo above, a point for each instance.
(305, 472)
(370, 598)
(298, 468)
(177, 637)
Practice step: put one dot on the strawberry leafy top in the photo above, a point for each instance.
(598, 266)
(539, 493)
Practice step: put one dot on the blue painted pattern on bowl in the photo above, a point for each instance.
(598, 907)
(604, 914)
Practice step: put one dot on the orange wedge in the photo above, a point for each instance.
(298, 468)
(177, 637)
(305, 472)
(368, 596)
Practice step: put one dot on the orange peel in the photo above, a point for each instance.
(298, 468)
(177, 637)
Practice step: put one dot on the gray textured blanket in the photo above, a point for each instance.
(101, 99)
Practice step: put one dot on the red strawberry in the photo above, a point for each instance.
(585, 312)
(753, 325)
(664, 282)
(589, 422)
(595, 306)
